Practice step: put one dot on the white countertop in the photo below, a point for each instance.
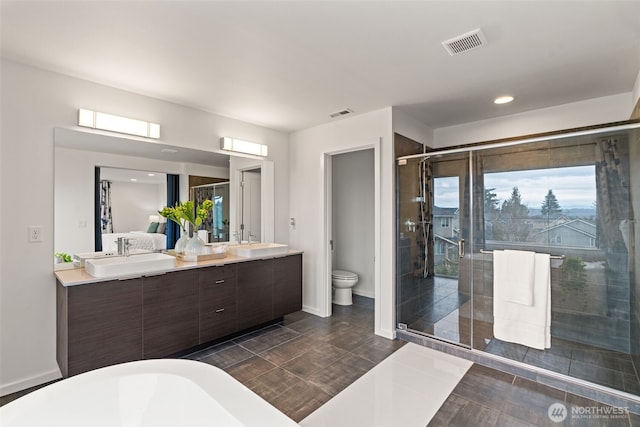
(79, 276)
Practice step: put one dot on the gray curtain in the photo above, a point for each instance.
(613, 208)
(106, 220)
(424, 239)
(200, 194)
(173, 198)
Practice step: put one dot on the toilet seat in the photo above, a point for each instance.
(342, 274)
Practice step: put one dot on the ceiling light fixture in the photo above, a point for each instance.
(103, 121)
(503, 99)
(239, 146)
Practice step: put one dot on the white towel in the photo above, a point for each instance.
(527, 325)
(515, 269)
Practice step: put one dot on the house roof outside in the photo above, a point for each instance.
(451, 212)
(578, 225)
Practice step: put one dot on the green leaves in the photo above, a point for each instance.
(184, 212)
(63, 256)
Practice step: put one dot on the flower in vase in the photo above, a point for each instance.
(171, 214)
(184, 212)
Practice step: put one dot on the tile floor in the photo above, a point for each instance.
(487, 397)
(313, 368)
(301, 363)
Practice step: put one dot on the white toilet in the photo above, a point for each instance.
(342, 282)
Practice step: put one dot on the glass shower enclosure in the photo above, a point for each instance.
(574, 196)
(217, 223)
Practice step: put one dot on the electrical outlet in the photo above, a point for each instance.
(35, 233)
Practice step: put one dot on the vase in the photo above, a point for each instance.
(181, 244)
(194, 245)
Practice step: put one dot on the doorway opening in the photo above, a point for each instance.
(352, 236)
(250, 205)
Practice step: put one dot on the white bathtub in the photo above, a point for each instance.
(158, 393)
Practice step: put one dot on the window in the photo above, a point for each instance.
(218, 214)
(444, 221)
(527, 206)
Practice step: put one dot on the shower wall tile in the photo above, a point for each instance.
(600, 331)
(548, 361)
(635, 337)
(483, 308)
(631, 384)
(596, 374)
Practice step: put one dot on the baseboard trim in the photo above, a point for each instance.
(364, 293)
(312, 310)
(26, 383)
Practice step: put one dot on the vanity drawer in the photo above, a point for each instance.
(218, 323)
(217, 275)
(216, 294)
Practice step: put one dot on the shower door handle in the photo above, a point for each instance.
(461, 248)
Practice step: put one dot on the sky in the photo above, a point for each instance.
(574, 187)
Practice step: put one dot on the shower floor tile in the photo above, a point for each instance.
(446, 316)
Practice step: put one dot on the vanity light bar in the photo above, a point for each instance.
(246, 147)
(103, 121)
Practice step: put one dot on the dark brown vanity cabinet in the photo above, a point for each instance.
(104, 323)
(98, 325)
(255, 293)
(287, 282)
(170, 313)
(217, 286)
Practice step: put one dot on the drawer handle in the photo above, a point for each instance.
(219, 281)
(220, 310)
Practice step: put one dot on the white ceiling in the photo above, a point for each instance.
(288, 64)
(133, 176)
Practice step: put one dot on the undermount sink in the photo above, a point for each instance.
(133, 264)
(258, 249)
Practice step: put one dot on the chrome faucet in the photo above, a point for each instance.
(250, 236)
(236, 234)
(123, 246)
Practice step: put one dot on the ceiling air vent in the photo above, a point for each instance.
(464, 43)
(341, 113)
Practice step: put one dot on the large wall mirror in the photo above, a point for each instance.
(115, 185)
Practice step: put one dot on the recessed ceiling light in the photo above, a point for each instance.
(503, 99)
(151, 174)
(168, 150)
(133, 179)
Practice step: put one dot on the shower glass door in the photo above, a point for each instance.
(434, 274)
(574, 197)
